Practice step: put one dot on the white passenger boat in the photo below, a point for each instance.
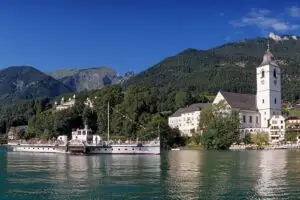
(84, 142)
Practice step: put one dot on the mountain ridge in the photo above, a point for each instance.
(230, 67)
(26, 82)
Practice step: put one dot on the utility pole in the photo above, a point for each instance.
(108, 122)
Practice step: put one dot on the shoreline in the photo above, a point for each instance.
(264, 147)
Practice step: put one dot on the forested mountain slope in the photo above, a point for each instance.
(230, 67)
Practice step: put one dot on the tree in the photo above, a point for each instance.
(260, 138)
(206, 116)
(89, 118)
(247, 139)
(183, 98)
(222, 129)
(196, 139)
(290, 136)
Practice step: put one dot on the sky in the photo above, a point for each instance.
(130, 35)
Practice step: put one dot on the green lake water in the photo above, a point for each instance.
(173, 175)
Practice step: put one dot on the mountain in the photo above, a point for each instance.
(85, 79)
(123, 78)
(61, 73)
(89, 78)
(229, 67)
(24, 82)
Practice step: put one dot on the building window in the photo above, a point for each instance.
(274, 73)
(244, 119)
(275, 101)
(281, 127)
(250, 119)
(262, 74)
(257, 119)
(281, 121)
(263, 101)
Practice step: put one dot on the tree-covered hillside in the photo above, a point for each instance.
(230, 67)
(23, 82)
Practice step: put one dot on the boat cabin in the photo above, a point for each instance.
(85, 135)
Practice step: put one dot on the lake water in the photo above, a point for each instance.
(173, 175)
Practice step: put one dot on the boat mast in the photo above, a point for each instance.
(108, 122)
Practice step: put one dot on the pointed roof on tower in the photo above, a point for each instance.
(268, 58)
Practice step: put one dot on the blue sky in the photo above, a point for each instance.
(130, 34)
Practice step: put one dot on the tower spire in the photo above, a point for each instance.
(268, 46)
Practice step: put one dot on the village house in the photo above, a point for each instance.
(65, 104)
(187, 119)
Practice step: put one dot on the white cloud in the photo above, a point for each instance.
(263, 19)
(294, 11)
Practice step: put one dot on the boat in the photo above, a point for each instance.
(38, 146)
(175, 149)
(84, 142)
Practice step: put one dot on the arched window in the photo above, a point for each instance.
(262, 74)
(275, 101)
(274, 73)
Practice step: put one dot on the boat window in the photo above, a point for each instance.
(140, 149)
(119, 149)
(112, 149)
(83, 132)
(53, 148)
(105, 149)
(33, 148)
(38, 148)
(125, 149)
(132, 148)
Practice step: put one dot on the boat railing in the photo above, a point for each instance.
(133, 142)
(36, 142)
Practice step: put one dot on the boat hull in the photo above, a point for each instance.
(113, 149)
(123, 149)
(37, 149)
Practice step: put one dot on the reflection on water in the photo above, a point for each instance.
(272, 173)
(173, 175)
(183, 174)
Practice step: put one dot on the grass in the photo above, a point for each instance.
(294, 112)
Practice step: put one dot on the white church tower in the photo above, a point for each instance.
(268, 91)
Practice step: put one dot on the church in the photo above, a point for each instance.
(260, 112)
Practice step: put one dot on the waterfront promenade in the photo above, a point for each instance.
(265, 147)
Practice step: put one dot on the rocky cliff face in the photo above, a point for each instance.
(89, 79)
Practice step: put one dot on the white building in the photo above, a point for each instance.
(65, 104)
(256, 112)
(88, 103)
(187, 119)
(277, 128)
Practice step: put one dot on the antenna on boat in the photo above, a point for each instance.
(108, 121)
